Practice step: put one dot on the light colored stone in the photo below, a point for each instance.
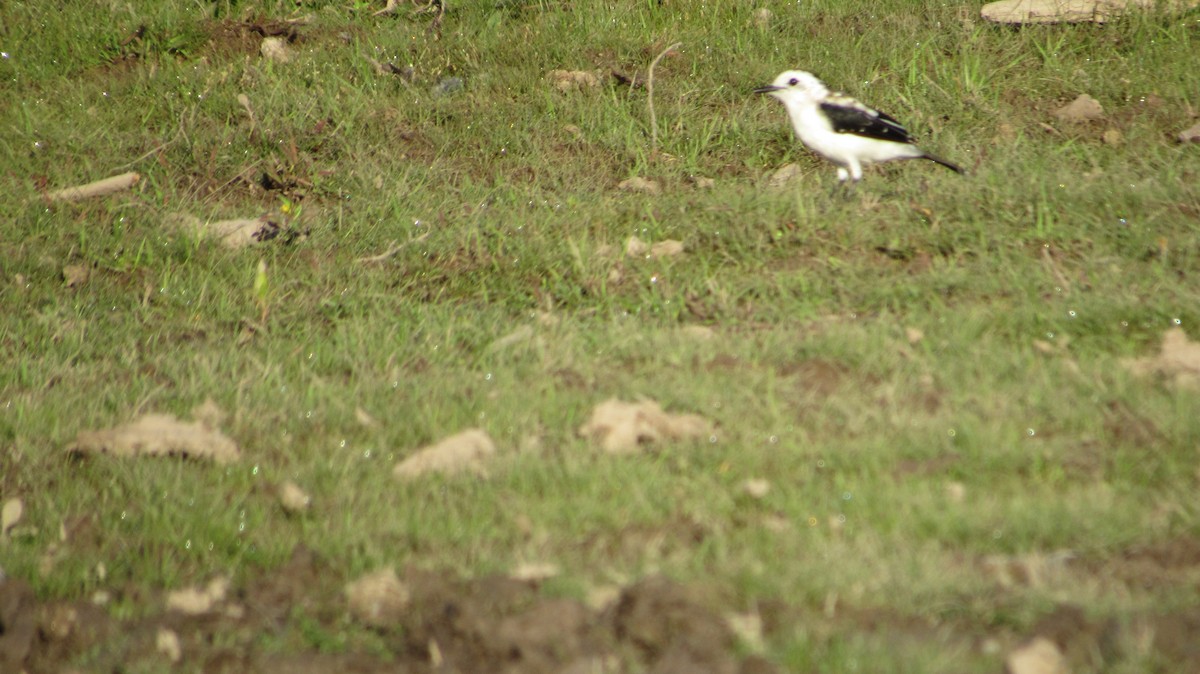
(1039, 656)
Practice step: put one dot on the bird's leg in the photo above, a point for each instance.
(841, 189)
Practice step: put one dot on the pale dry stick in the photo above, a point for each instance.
(392, 250)
(244, 100)
(96, 189)
(650, 98)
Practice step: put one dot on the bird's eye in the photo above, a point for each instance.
(793, 82)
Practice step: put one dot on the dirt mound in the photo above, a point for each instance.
(492, 624)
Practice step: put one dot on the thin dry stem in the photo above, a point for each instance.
(650, 98)
(392, 250)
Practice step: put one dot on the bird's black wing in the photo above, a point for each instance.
(847, 115)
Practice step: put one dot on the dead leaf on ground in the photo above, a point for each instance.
(75, 275)
(1178, 359)
(635, 247)
(620, 427)
(199, 600)
(159, 435)
(639, 184)
(568, 80)
(378, 599)
(233, 234)
(1191, 134)
(1039, 656)
(465, 451)
(1082, 109)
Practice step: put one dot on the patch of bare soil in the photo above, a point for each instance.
(1162, 565)
(493, 624)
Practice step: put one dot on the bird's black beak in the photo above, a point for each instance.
(767, 89)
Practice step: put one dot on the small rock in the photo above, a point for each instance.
(748, 628)
(1075, 11)
(956, 491)
(601, 597)
(533, 571)
(275, 49)
(638, 184)
(756, 488)
(666, 248)
(700, 333)
(783, 176)
(293, 499)
(1112, 137)
(703, 183)
(10, 515)
(167, 643)
(1039, 656)
(448, 85)
(762, 17)
(1081, 109)
(74, 275)
(913, 335)
(568, 80)
(198, 601)
(635, 247)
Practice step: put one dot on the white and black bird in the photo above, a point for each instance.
(841, 129)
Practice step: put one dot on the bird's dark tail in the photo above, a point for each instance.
(938, 160)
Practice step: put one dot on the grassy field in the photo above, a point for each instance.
(930, 373)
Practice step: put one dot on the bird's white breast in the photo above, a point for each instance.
(814, 130)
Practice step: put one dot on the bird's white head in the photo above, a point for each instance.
(796, 86)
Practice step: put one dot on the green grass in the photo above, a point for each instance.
(1054, 235)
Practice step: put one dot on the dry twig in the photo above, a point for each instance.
(96, 189)
(650, 98)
